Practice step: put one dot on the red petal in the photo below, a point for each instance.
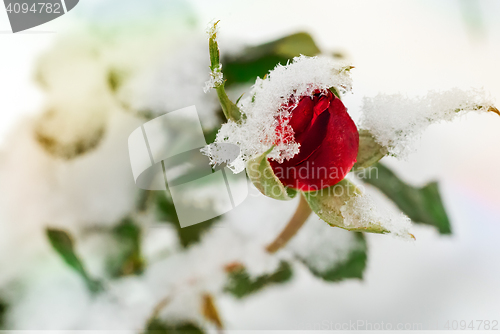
(302, 115)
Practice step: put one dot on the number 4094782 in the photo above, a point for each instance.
(40, 7)
(471, 325)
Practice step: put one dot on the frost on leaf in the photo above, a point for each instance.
(397, 121)
(361, 211)
(216, 79)
(345, 206)
(264, 108)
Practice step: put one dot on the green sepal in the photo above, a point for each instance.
(327, 202)
(370, 152)
(262, 176)
(230, 110)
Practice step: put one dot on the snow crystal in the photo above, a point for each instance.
(212, 29)
(361, 211)
(397, 121)
(216, 79)
(220, 153)
(264, 109)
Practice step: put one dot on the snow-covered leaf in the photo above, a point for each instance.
(396, 121)
(352, 267)
(329, 253)
(423, 205)
(327, 203)
(63, 244)
(240, 283)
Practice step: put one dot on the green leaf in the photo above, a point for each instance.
(257, 61)
(352, 267)
(326, 203)
(63, 244)
(240, 283)
(157, 326)
(165, 212)
(260, 172)
(423, 205)
(370, 152)
(130, 260)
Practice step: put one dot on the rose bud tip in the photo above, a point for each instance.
(328, 140)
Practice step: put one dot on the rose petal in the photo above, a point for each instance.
(302, 115)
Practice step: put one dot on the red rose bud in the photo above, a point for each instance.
(328, 141)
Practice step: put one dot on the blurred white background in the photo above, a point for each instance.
(396, 46)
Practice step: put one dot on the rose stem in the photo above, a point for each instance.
(299, 218)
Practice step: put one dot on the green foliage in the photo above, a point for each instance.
(130, 260)
(423, 205)
(256, 61)
(63, 244)
(240, 283)
(157, 326)
(352, 267)
(165, 212)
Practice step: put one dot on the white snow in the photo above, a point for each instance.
(397, 121)
(361, 211)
